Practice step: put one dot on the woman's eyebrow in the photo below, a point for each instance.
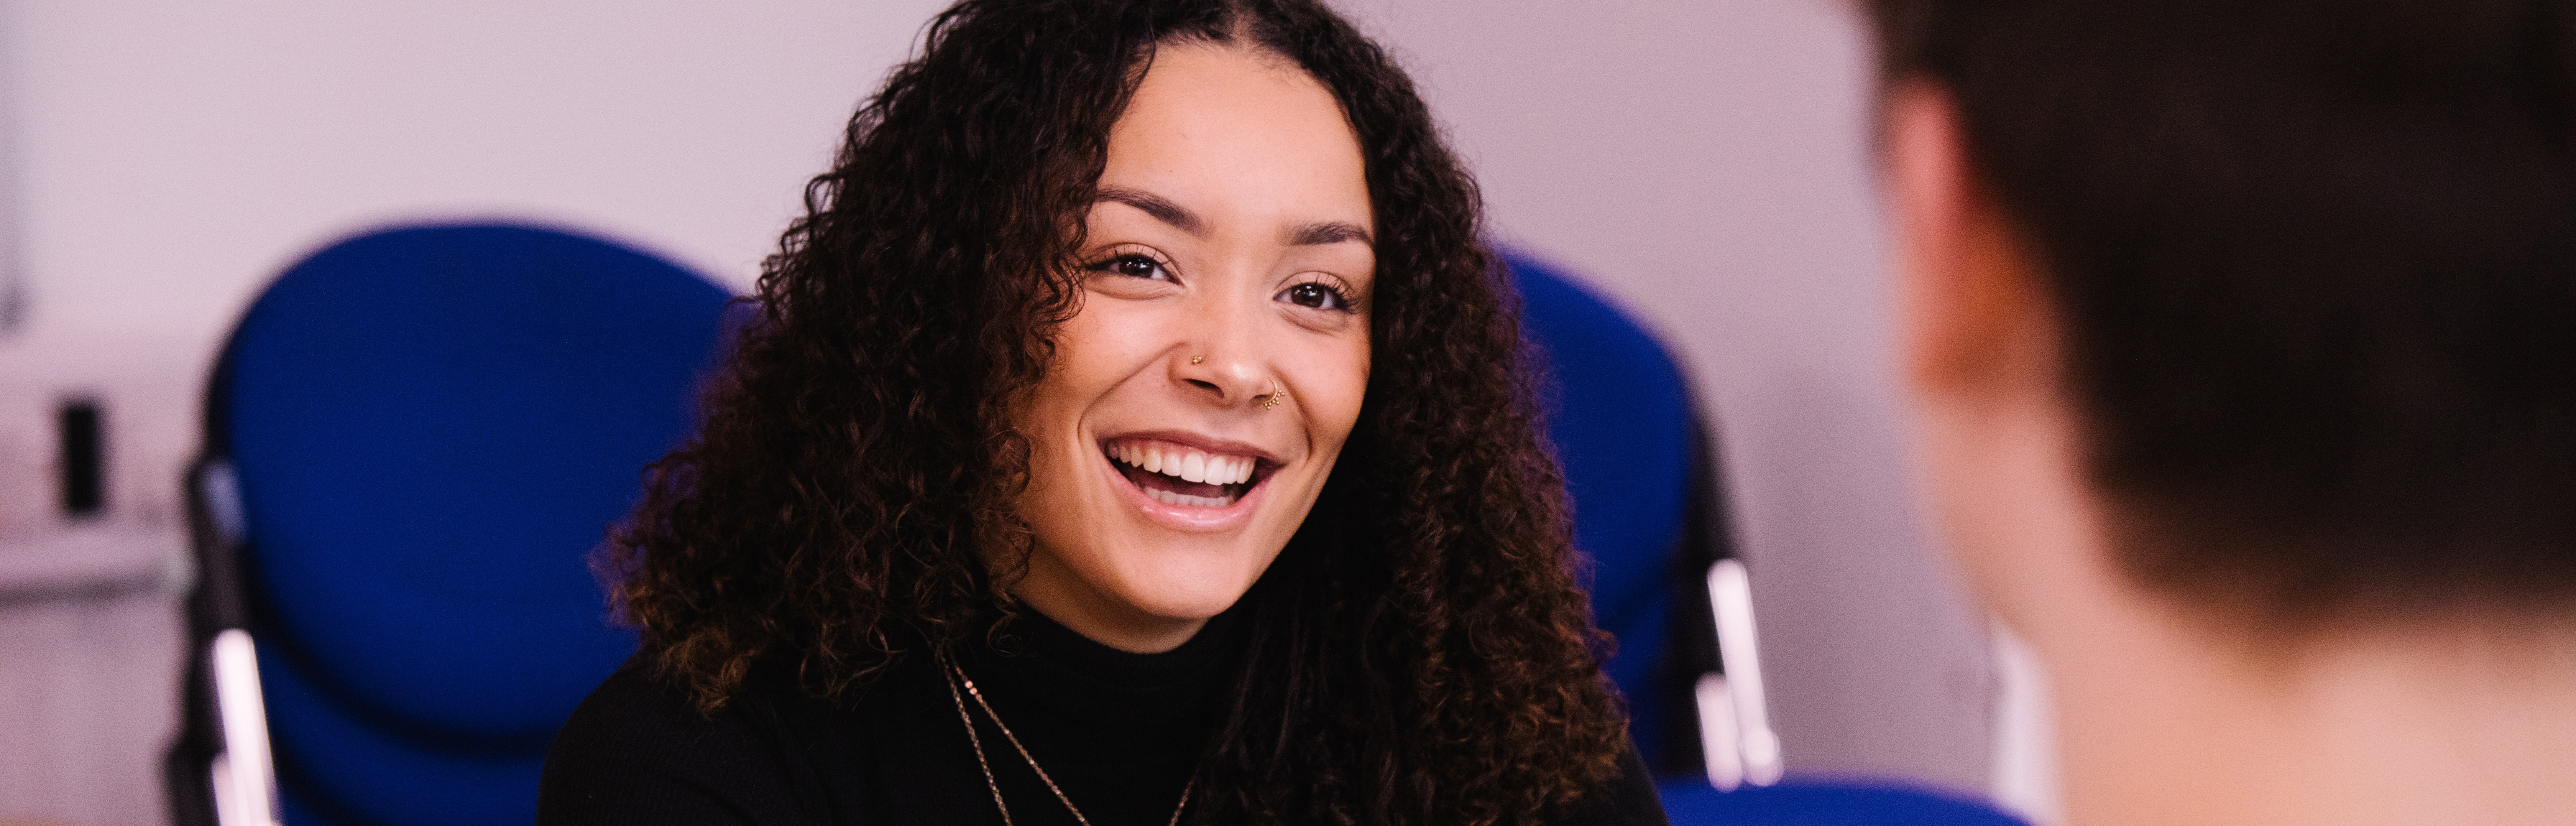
(1328, 232)
(1163, 209)
(1158, 206)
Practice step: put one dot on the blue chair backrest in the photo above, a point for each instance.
(431, 428)
(1620, 415)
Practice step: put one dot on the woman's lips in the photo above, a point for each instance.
(1196, 487)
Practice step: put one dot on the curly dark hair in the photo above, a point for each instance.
(1420, 651)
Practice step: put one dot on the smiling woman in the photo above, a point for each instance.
(1225, 264)
(1133, 431)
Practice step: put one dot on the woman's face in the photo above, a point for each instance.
(1202, 392)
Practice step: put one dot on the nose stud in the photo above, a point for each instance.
(1197, 359)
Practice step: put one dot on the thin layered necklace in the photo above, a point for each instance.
(956, 676)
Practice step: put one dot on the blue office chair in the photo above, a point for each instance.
(1651, 514)
(412, 441)
(1648, 509)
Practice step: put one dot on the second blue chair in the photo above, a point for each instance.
(413, 440)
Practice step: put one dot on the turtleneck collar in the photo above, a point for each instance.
(1073, 700)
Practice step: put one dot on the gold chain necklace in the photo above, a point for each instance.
(954, 675)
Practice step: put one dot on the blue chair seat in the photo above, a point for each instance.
(1818, 803)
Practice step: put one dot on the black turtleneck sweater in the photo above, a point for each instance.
(1117, 731)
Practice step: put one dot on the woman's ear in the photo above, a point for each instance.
(1972, 311)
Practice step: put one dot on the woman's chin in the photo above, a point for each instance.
(1145, 617)
(1184, 575)
(1186, 601)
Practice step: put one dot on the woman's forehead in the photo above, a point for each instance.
(1239, 136)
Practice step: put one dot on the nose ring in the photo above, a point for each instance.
(1274, 397)
(1197, 359)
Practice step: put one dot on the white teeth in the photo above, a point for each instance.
(1192, 466)
(1170, 498)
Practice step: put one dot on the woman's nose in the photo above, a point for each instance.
(1222, 358)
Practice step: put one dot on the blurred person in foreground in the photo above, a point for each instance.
(2241, 339)
(1134, 431)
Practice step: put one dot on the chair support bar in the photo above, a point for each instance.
(1735, 718)
(244, 779)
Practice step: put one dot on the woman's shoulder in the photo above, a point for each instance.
(638, 711)
(1628, 799)
(640, 749)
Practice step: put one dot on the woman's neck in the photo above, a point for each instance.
(1101, 617)
(2457, 725)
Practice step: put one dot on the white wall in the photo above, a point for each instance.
(1702, 160)
(177, 155)
(171, 158)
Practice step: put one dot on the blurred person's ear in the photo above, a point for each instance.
(1976, 316)
(1996, 434)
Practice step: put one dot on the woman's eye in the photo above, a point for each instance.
(1134, 266)
(1316, 295)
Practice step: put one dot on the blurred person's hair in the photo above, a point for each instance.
(2314, 264)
